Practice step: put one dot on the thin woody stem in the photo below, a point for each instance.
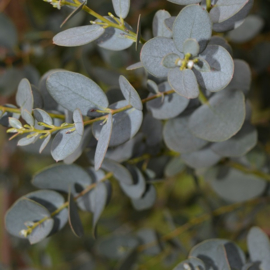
(120, 26)
(66, 204)
(18, 111)
(198, 220)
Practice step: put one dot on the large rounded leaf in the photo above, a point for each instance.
(234, 185)
(222, 68)
(168, 106)
(239, 144)
(259, 247)
(125, 124)
(73, 90)
(209, 252)
(51, 200)
(183, 82)
(152, 58)
(221, 118)
(62, 177)
(192, 22)
(24, 212)
(178, 137)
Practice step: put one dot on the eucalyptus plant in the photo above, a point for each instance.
(195, 117)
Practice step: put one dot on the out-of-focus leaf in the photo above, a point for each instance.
(100, 199)
(259, 247)
(147, 200)
(136, 190)
(252, 25)
(117, 246)
(74, 218)
(118, 170)
(239, 144)
(234, 185)
(202, 158)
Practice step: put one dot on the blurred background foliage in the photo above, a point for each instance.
(180, 199)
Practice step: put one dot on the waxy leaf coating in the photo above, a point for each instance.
(192, 22)
(73, 90)
(78, 36)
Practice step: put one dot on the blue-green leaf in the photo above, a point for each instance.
(192, 22)
(73, 90)
(78, 36)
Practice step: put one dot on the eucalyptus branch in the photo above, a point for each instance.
(198, 220)
(244, 169)
(51, 128)
(63, 206)
(107, 23)
(4, 109)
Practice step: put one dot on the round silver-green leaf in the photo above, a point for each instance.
(221, 119)
(73, 90)
(192, 22)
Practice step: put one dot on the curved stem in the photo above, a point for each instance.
(208, 5)
(203, 99)
(18, 111)
(244, 169)
(65, 205)
(120, 26)
(198, 220)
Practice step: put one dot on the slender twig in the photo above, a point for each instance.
(63, 206)
(198, 220)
